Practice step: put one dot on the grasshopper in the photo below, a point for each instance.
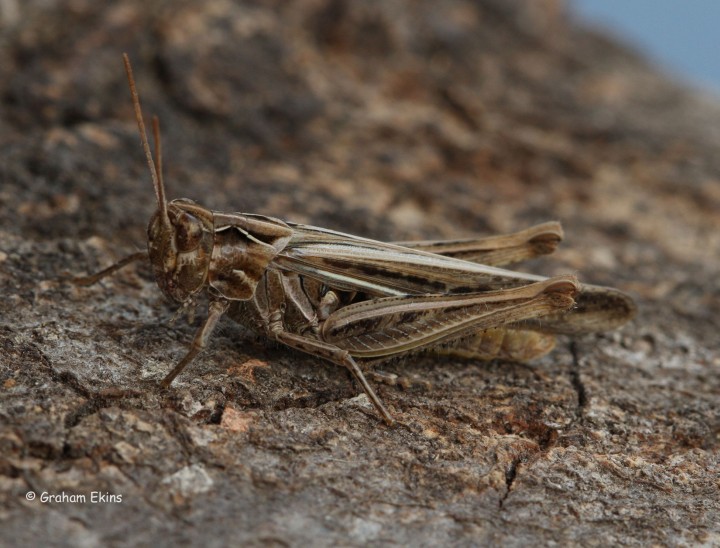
(355, 301)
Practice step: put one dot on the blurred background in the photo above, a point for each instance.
(680, 37)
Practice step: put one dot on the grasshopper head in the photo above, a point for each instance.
(180, 242)
(180, 234)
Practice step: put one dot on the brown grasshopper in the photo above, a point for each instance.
(354, 301)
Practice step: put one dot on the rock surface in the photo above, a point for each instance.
(393, 120)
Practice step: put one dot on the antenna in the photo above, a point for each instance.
(154, 170)
(158, 151)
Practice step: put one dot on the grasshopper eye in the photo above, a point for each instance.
(188, 232)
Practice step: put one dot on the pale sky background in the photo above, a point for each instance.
(680, 36)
